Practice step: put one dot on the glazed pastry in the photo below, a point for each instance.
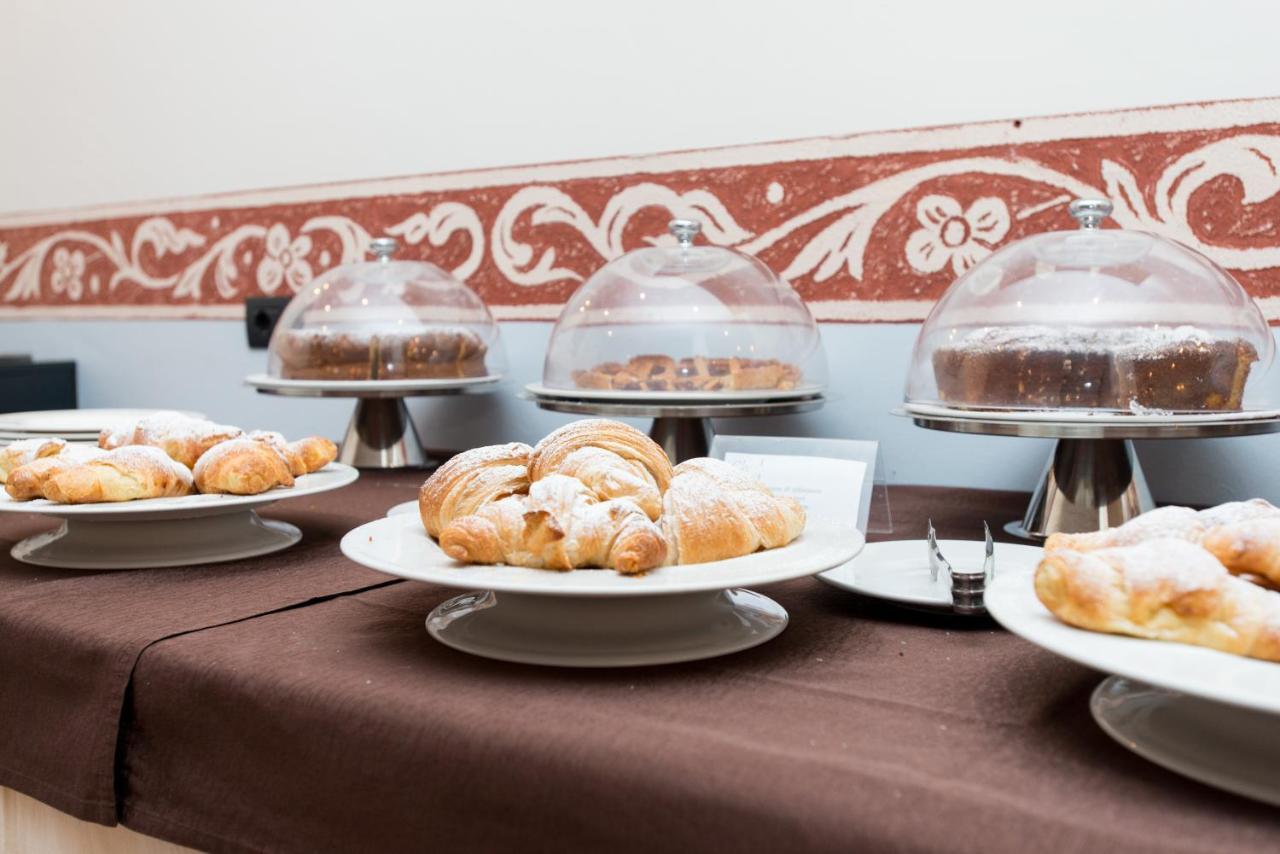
(560, 525)
(712, 512)
(241, 467)
(1251, 547)
(1178, 522)
(550, 455)
(1162, 589)
(183, 438)
(125, 474)
(27, 482)
(278, 443)
(608, 475)
(23, 451)
(316, 452)
(470, 480)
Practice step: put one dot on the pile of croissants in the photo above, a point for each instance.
(1202, 577)
(162, 455)
(598, 493)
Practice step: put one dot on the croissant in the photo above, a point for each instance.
(23, 451)
(609, 475)
(125, 474)
(550, 455)
(27, 482)
(241, 467)
(471, 479)
(278, 443)
(182, 437)
(1177, 522)
(1250, 547)
(316, 452)
(560, 524)
(712, 511)
(1162, 589)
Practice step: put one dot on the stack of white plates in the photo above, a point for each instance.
(74, 425)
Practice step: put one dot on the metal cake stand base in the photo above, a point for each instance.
(1092, 480)
(683, 430)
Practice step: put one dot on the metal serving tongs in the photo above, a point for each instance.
(966, 587)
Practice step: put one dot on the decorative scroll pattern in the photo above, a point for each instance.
(862, 236)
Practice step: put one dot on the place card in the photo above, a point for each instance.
(829, 477)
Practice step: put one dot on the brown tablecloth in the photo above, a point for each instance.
(343, 726)
(69, 639)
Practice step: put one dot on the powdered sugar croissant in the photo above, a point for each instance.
(561, 525)
(625, 463)
(1181, 523)
(1163, 589)
(712, 511)
(180, 436)
(27, 482)
(470, 480)
(125, 474)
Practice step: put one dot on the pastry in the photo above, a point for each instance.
(180, 436)
(711, 511)
(124, 474)
(1162, 589)
(560, 525)
(278, 443)
(23, 451)
(552, 453)
(698, 373)
(471, 479)
(1163, 522)
(316, 452)
(609, 475)
(27, 482)
(1179, 369)
(241, 467)
(380, 355)
(1250, 547)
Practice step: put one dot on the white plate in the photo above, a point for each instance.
(56, 422)
(1233, 749)
(899, 570)
(616, 396)
(155, 532)
(595, 617)
(398, 545)
(407, 508)
(357, 386)
(1086, 416)
(1194, 670)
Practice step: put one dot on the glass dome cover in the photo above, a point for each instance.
(685, 319)
(1103, 320)
(386, 320)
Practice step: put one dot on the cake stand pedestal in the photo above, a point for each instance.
(683, 429)
(380, 434)
(1093, 479)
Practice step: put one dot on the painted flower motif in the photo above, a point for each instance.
(284, 260)
(963, 237)
(68, 270)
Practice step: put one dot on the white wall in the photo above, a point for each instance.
(112, 102)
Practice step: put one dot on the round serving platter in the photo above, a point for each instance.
(163, 532)
(1086, 416)
(594, 617)
(65, 423)
(898, 571)
(1197, 671)
(1227, 747)
(620, 396)
(365, 388)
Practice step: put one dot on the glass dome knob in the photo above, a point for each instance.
(383, 248)
(684, 230)
(1090, 212)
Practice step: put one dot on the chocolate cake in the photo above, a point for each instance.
(1179, 369)
(663, 373)
(440, 354)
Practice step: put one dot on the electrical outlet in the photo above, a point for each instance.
(260, 317)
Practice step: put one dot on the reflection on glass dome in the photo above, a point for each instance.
(386, 320)
(1097, 319)
(682, 319)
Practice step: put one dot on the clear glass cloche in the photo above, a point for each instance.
(1099, 319)
(386, 320)
(685, 318)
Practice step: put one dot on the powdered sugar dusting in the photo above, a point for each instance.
(1239, 511)
(1183, 564)
(142, 456)
(1131, 341)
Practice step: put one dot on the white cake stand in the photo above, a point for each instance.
(596, 617)
(381, 434)
(1092, 480)
(156, 532)
(681, 420)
